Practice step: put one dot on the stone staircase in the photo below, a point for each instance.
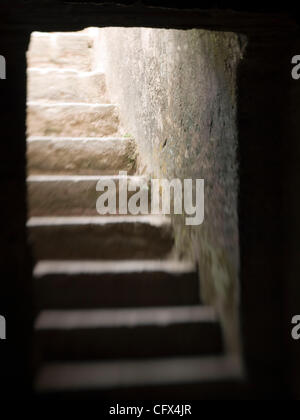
(117, 315)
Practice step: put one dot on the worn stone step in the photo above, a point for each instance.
(192, 377)
(99, 237)
(80, 155)
(134, 332)
(91, 284)
(79, 119)
(61, 50)
(66, 195)
(65, 85)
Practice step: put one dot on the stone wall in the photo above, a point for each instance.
(177, 95)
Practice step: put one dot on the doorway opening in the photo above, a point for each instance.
(146, 296)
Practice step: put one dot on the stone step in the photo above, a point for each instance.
(135, 332)
(99, 237)
(65, 85)
(91, 284)
(67, 195)
(199, 378)
(79, 119)
(61, 50)
(80, 155)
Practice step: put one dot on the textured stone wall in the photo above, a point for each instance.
(177, 95)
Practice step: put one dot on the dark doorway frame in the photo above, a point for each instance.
(264, 123)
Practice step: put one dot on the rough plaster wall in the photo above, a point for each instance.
(177, 96)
